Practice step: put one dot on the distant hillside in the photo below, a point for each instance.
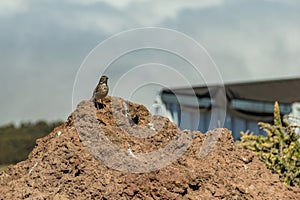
(16, 142)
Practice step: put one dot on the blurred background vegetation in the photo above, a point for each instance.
(16, 142)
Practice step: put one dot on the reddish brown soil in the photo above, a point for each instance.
(75, 162)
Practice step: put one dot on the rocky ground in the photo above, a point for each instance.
(122, 152)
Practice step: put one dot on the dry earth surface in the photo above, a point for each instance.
(75, 162)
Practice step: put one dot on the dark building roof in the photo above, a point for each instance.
(285, 91)
(248, 99)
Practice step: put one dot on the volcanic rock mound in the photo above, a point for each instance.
(122, 152)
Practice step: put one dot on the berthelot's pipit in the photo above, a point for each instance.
(100, 91)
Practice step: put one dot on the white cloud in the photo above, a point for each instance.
(130, 13)
(90, 21)
(174, 5)
(254, 52)
(284, 2)
(114, 3)
(158, 11)
(292, 39)
(12, 7)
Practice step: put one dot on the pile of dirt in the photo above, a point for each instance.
(122, 152)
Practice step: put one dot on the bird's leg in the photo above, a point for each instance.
(102, 103)
(96, 104)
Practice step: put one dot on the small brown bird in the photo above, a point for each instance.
(100, 91)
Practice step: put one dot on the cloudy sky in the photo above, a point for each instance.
(44, 43)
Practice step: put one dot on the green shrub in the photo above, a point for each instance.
(279, 150)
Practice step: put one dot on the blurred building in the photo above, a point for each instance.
(294, 118)
(242, 105)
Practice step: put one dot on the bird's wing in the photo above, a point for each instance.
(94, 92)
